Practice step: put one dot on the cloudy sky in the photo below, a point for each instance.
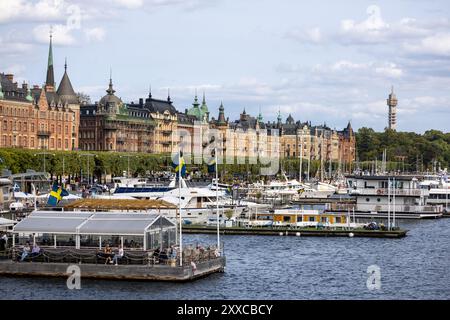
(320, 60)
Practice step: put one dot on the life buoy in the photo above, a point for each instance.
(380, 191)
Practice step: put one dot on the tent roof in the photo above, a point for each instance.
(99, 223)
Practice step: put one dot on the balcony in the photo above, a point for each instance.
(43, 133)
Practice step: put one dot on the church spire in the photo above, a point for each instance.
(50, 73)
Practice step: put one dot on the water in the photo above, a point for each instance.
(259, 267)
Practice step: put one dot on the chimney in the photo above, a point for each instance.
(141, 101)
(10, 77)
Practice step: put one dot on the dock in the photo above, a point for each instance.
(183, 273)
(299, 232)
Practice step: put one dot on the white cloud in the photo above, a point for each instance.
(130, 4)
(10, 46)
(61, 34)
(21, 10)
(95, 34)
(438, 44)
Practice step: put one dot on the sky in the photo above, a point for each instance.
(321, 61)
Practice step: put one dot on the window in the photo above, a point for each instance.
(367, 199)
(378, 199)
(59, 143)
(5, 125)
(286, 218)
(338, 220)
(32, 142)
(66, 143)
(67, 129)
(32, 128)
(25, 126)
(311, 219)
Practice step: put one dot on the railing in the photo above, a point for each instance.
(384, 208)
(43, 133)
(130, 257)
(384, 192)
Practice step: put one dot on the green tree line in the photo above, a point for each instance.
(408, 150)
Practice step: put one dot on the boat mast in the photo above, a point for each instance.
(393, 201)
(301, 157)
(389, 204)
(217, 200)
(179, 206)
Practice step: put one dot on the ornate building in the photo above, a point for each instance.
(39, 117)
(111, 125)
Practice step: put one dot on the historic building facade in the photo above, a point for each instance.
(39, 117)
(111, 125)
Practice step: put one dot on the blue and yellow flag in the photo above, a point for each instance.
(179, 167)
(56, 195)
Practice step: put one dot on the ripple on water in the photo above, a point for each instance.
(274, 267)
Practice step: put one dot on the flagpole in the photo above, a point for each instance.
(393, 210)
(217, 201)
(389, 204)
(179, 206)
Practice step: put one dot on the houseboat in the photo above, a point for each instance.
(380, 196)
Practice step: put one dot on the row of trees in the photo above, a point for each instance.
(408, 150)
(405, 151)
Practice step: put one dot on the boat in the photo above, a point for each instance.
(381, 196)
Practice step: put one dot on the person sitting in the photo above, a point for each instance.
(107, 253)
(118, 256)
(163, 256)
(35, 251)
(156, 255)
(25, 251)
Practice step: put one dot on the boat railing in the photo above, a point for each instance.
(386, 192)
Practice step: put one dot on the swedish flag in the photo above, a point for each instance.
(56, 195)
(212, 165)
(180, 168)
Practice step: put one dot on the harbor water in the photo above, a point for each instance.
(267, 267)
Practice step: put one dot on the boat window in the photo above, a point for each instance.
(312, 219)
(286, 218)
(378, 199)
(367, 199)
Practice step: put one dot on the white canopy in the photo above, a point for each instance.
(6, 222)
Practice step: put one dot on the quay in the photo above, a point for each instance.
(286, 231)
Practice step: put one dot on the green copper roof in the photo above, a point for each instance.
(195, 110)
(29, 97)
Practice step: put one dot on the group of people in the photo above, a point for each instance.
(164, 255)
(28, 251)
(111, 257)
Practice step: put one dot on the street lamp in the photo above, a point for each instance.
(88, 155)
(44, 154)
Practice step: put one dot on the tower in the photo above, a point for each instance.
(50, 81)
(392, 103)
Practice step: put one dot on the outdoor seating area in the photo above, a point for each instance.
(101, 238)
